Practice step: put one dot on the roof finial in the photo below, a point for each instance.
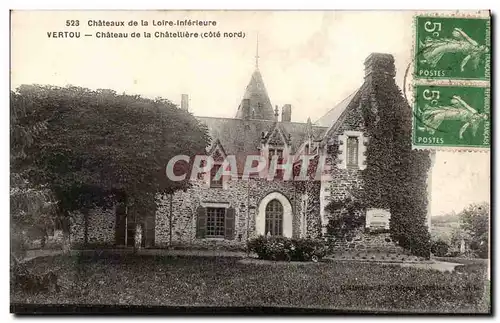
(257, 53)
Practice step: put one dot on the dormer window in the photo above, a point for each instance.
(275, 152)
(214, 181)
(279, 160)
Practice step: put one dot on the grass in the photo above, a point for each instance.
(189, 281)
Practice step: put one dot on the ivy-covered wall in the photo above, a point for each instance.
(395, 176)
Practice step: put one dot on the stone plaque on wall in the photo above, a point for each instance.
(377, 218)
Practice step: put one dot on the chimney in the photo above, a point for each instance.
(286, 113)
(245, 106)
(379, 64)
(185, 102)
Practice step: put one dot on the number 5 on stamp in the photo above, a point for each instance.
(452, 48)
(451, 116)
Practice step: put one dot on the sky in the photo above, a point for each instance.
(310, 59)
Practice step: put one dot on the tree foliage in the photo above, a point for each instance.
(396, 175)
(98, 147)
(32, 207)
(475, 222)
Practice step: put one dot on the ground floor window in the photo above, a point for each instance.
(215, 222)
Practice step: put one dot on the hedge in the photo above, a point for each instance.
(281, 248)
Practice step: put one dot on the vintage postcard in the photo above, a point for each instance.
(250, 161)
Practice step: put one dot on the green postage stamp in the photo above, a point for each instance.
(451, 81)
(452, 48)
(451, 116)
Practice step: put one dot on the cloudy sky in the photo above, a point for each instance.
(309, 59)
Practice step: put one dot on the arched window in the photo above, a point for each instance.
(274, 218)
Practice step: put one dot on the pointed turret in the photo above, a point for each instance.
(256, 93)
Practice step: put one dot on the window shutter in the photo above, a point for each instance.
(229, 224)
(201, 223)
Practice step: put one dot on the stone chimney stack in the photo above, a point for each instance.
(245, 107)
(185, 102)
(379, 64)
(286, 113)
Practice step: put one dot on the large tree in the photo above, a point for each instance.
(475, 222)
(99, 147)
(32, 207)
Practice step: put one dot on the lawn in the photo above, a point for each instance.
(195, 281)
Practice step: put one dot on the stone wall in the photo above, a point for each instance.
(344, 182)
(101, 227)
(314, 224)
(343, 179)
(369, 246)
(365, 240)
(244, 196)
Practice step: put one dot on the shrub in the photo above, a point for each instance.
(281, 248)
(346, 217)
(439, 248)
(257, 245)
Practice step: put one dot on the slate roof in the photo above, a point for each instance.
(260, 104)
(238, 136)
(333, 114)
(344, 108)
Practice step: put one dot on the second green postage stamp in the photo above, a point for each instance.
(452, 48)
(451, 116)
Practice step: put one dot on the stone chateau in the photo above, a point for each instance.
(228, 212)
